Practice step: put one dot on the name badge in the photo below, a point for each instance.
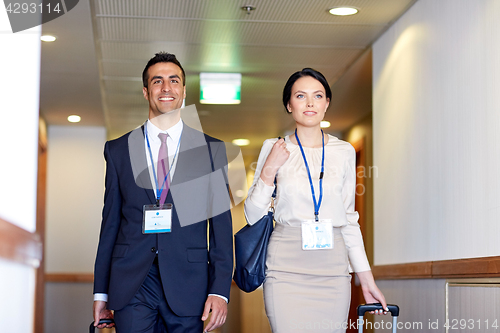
(317, 235)
(157, 219)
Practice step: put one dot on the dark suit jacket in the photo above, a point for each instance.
(190, 270)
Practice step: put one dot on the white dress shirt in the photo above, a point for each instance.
(173, 142)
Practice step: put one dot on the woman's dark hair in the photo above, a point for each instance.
(287, 90)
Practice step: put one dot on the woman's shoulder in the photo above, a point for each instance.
(267, 146)
(271, 141)
(339, 145)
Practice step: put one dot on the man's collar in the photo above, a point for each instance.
(174, 132)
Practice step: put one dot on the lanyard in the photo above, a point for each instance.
(317, 205)
(158, 189)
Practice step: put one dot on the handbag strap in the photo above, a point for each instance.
(275, 187)
(275, 184)
(273, 197)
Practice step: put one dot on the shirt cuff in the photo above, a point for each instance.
(261, 195)
(224, 298)
(101, 297)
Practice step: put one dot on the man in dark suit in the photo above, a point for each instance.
(166, 278)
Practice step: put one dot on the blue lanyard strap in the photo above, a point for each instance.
(158, 189)
(317, 205)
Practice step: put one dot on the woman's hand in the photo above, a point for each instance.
(276, 158)
(371, 293)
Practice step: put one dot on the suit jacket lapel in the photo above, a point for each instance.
(190, 140)
(138, 160)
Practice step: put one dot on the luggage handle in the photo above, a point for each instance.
(393, 309)
(101, 321)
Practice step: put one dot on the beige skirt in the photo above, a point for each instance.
(306, 291)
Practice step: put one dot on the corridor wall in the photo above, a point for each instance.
(75, 191)
(20, 246)
(436, 126)
(436, 134)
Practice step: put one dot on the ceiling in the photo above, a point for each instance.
(94, 68)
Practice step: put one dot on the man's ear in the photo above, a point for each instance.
(184, 92)
(145, 93)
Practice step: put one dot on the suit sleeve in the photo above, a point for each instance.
(109, 226)
(220, 231)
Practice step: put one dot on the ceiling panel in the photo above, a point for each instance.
(373, 12)
(241, 58)
(236, 33)
(107, 46)
(121, 86)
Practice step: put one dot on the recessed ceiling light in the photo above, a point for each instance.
(48, 38)
(241, 142)
(324, 124)
(74, 118)
(343, 11)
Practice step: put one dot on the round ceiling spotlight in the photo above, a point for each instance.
(241, 142)
(48, 38)
(343, 11)
(248, 8)
(325, 124)
(74, 119)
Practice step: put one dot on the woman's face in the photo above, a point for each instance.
(308, 101)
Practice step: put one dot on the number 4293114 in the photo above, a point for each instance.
(33, 8)
(455, 324)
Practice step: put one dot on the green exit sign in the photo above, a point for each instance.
(220, 88)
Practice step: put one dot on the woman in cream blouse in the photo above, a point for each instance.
(315, 241)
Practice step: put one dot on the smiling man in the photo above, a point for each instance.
(154, 267)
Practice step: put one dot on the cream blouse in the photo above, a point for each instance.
(294, 202)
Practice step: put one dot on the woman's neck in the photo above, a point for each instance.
(311, 137)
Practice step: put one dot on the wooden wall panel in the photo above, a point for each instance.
(460, 268)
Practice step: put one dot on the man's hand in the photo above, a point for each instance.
(219, 312)
(101, 312)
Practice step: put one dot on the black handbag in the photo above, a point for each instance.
(250, 244)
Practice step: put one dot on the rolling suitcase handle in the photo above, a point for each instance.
(101, 321)
(393, 309)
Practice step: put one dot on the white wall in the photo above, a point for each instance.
(75, 189)
(19, 93)
(17, 297)
(436, 125)
(19, 107)
(68, 307)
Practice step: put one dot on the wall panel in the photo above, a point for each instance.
(436, 133)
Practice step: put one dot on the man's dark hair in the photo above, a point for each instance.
(287, 90)
(162, 57)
